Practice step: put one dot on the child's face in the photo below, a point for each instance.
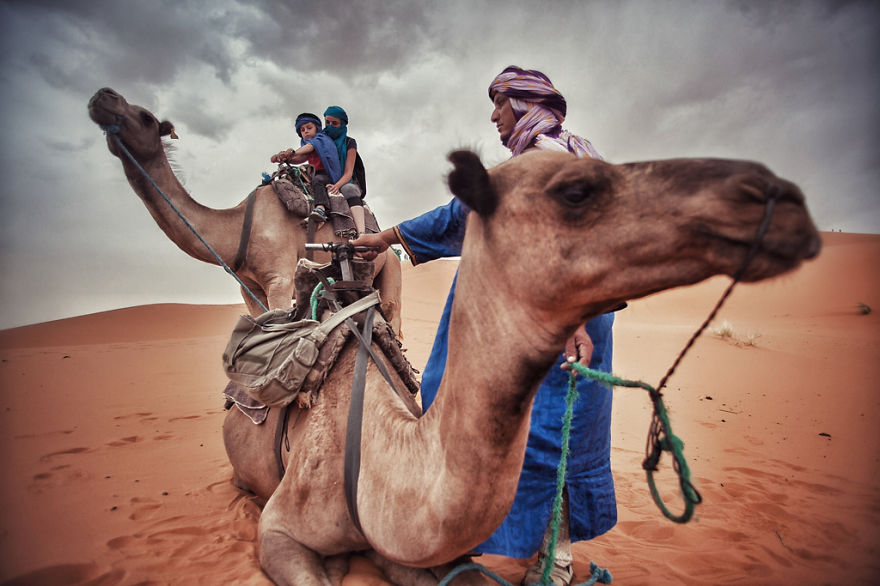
(332, 121)
(308, 130)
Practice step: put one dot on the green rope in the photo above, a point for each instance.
(660, 439)
(556, 518)
(299, 175)
(313, 300)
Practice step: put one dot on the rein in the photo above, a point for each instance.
(112, 131)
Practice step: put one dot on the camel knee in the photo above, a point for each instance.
(286, 561)
(280, 292)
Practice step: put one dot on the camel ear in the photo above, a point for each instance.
(167, 129)
(469, 182)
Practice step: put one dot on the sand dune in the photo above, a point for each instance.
(116, 472)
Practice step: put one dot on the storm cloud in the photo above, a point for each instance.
(792, 84)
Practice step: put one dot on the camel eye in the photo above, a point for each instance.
(146, 119)
(574, 195)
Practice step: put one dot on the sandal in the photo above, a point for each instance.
(559, 575)
(319, 215)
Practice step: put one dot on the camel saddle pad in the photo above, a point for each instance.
(307, 395)
(270, 355)
(292, 185)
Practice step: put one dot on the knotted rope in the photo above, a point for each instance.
(660, 439)
(112, 130)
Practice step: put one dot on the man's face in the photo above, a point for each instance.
(503, 116)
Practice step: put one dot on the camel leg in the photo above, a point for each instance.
(288, 562)
(252, 306)
(408, 576)
(336, 567)
(279, 291)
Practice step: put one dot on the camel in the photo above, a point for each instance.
(277, 240)
(551, 241)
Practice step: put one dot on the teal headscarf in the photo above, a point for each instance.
(338, 134)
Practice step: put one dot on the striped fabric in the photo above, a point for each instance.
(539, 110)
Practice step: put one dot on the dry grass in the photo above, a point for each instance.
(726, 332)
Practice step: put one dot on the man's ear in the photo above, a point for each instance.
(167, 129)
(469, 182)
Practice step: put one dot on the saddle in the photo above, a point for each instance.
(283, 357)
(292, 184)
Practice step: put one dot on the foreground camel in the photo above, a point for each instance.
(277, 237)
(552, 241)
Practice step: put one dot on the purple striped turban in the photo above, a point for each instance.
(539, 110)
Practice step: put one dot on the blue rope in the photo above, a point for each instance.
(111, 130)
(597, 575)
(473, 566)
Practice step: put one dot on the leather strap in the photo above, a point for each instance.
(355, 421)
(311, 225)
(245, 232)
(280, 435)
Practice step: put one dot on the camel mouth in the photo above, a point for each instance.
(103, 106)
(774, 256)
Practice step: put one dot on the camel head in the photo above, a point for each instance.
(571, 237)
(139, 130)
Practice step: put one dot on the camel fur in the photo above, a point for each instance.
(277, 239)
(432, 488)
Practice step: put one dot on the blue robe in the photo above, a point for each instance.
(440, 233)
(326, 149)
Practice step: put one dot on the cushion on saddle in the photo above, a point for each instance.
(291, 184)
(250, 345)
(383, 337)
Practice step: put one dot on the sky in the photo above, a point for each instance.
(792, 84)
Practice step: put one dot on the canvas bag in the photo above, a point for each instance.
(270, 355)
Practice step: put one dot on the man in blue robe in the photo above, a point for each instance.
(531, 118)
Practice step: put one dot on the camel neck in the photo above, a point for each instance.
(160, 172)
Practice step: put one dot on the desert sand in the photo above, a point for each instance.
(115, 471)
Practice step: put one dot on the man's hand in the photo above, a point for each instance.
(578, 348)
(372, 240)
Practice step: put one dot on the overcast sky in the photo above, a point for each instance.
(793, 84)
